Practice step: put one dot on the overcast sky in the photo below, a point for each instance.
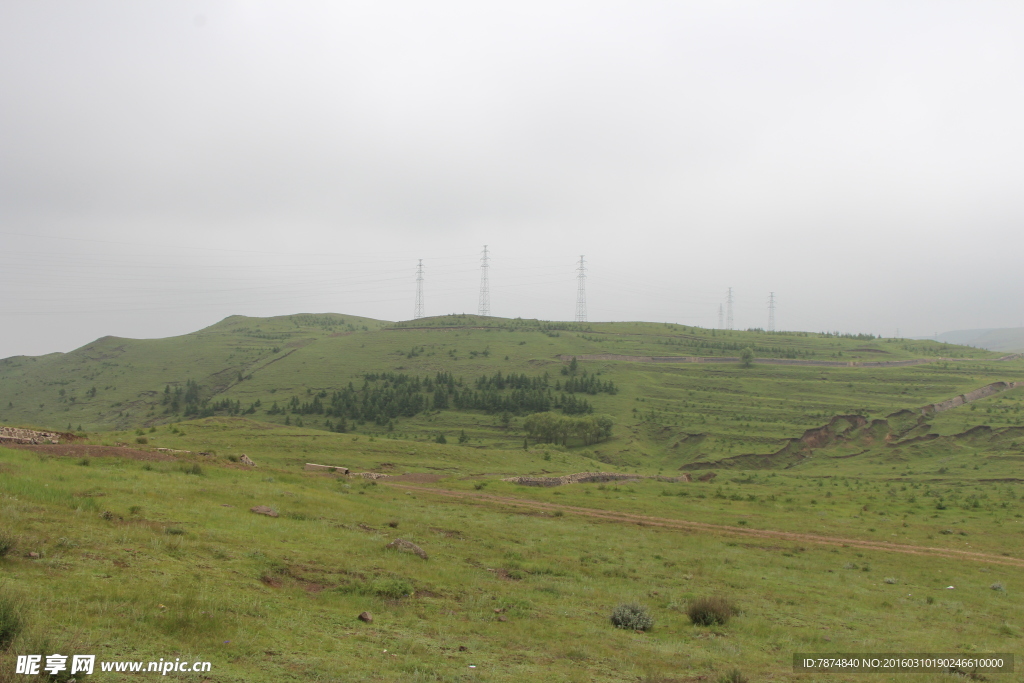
(165, 164)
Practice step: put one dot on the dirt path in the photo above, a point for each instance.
(82, 450)
(644, 520)
(566, 357)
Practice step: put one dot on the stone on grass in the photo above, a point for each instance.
(407, 546)
(264, 510)
(367, 617)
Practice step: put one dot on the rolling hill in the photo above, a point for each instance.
(676, 394)
(1010, 339)
(847, 495)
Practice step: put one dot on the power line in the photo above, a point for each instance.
(728, 310)
(771, 311)
(485, 289)
(721, 318)
(581, 292)
(418, 312)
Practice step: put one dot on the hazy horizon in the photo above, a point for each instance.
(165, 165)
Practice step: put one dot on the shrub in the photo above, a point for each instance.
(174, 531)
(193, 469)
(997, 587)
(710, 611)
(890, 579)
(12, 620)
(7, 543)
(134, 509)
(734, 676)
(632, 616)
(391, 588)
(84, 462)
(141, 440)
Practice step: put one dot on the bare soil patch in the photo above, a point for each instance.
(416, 477)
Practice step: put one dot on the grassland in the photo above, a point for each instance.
(847, 544)
(180, 566)
(667, 413)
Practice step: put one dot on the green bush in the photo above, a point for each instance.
(734, 676)
(632, 616)
(393, 588)
(141, 440)
(194, 468)
(12, 620)
(710, 611)
(7, 543)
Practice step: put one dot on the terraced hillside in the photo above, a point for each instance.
(475, 380)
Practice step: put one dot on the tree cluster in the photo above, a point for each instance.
(554, 428)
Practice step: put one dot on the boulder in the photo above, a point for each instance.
(366, 617)
(407, 547)
(264, 510)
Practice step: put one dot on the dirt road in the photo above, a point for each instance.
(685, 525)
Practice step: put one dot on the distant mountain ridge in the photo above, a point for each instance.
(993, 339)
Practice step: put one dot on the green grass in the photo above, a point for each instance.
(163, 558)
(528, 594)
(666, 415)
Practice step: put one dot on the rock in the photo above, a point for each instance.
(407, 546)
(264, 510)
(245, 460)
(707, 477)
(463, 648)
(367, 617)
(33, 556)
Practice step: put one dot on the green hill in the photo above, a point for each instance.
(1010, 339)
(839, 503)
(476, 380)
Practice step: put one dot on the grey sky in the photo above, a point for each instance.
(166, 164)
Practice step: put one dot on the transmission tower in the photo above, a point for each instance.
(485, 289)
(728, 310)
(721, 318)
(581, 292)
(771, 311)
(419, 291)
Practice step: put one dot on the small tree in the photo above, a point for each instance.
(747, 357)
(440, 439)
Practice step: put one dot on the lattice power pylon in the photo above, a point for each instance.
(484, 308)
(418, 311)
(581, 292)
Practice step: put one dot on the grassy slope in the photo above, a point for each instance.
(668, 414)
(276, 599)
